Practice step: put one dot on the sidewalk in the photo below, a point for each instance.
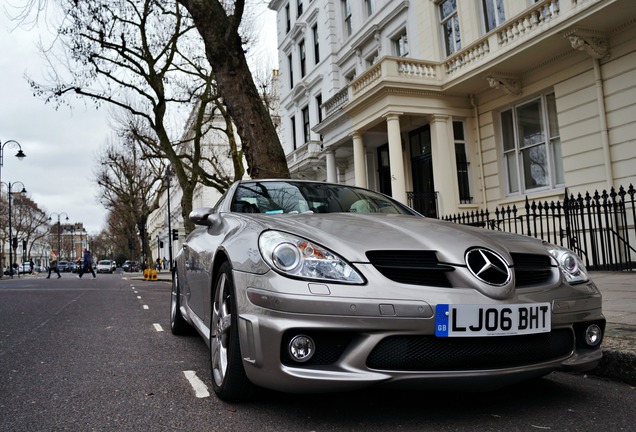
(619, 308)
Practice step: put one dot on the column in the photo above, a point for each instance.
(396, 160)
(359, 165)
(330, 159)
(444, 164)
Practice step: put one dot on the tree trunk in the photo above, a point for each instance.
(263, 151)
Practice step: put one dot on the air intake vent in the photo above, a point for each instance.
(411, 267)
(532, 269)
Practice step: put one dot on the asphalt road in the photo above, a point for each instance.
(98, 355)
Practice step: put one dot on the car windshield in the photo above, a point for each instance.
(276, 197)
(104, 262)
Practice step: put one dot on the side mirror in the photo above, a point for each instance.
(203, 216)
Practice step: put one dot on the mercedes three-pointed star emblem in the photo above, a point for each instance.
(488, 266)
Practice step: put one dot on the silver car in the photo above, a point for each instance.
(304, 286)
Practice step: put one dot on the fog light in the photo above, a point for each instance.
(593, 335)
(301, 348)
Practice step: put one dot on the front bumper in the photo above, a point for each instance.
(379, 339)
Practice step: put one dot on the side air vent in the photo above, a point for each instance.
(532, 269)
(411, 267)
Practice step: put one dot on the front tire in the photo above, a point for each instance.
(229, 380)
(178, 325)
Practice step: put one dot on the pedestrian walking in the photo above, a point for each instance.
(53, 264)
(88, 264)
(31, 265)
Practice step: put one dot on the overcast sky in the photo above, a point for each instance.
(61, 146)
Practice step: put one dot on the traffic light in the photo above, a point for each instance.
(15, 243)
(175, 234)
(160, 244)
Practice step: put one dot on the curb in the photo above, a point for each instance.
(619, 360)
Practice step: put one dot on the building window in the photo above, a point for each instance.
(290, 67)
(346, 11)
(450, 26)
(303, 58)
(401, 45)
(319, 107)
(461, 160)
(306, 126)
(369, 7)
(314, 32)
(532, 145)
(293, 131)
(494, 14)
(287, 19)
(299, 8)
(372, 58)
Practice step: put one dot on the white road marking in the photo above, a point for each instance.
(139, 297)
(146, 307)
(158, 327)
(200, 389)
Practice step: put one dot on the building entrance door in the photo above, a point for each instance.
(424, 198)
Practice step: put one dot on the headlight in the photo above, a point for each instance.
(569, 263)
(298, 257)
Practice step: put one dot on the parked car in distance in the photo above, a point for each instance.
(104, 266)
(130, 266)
(24, 268)
(303, 286)
(63, 266)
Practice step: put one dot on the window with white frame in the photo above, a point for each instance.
(306, 125)
(319, 106)
(292, 122)
(303, 58)
(287, 19)
(450, 26)
(532, 145)
(369, 7)
(401, 45)
(290, 68)
(462, 163)
(346, 12)
(372, 58)
(314, 32)
(494, 14)
(299, 8)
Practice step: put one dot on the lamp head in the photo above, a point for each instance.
(20, 155)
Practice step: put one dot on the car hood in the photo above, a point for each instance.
(352, 235)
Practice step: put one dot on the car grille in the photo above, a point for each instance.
(411, 267)
(532, 269)
(426, 353)
(423, 268)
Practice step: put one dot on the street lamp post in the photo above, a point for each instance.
(11, 240)
(20, 155)
(168, 177)
(59, 229)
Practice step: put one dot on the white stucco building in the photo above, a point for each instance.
(455, 105)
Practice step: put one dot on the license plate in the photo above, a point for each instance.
(491, 320)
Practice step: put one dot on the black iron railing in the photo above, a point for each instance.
(599, 226)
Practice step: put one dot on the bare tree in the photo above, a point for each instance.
(219, 24)
(128, 184)
(145, 58)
